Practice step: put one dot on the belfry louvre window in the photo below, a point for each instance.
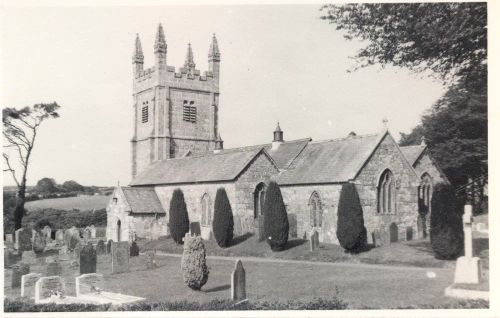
(189, 111)
(145, 112)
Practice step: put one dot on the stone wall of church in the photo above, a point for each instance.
(388, 156)
(260, 170)
(297, 200)
(426, 165)
(131, 226)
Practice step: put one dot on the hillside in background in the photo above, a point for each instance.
(82, 203)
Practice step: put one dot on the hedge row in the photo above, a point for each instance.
(63, 219)
(333, 303)
(23, 305)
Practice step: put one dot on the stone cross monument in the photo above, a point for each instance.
(468, 269)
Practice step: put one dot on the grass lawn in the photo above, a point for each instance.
(414, 253)
(80, 203)
(360, 286)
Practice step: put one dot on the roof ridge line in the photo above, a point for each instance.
(345, 138)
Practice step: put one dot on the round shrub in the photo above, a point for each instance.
(178, 223)
(194, 263)
(223, 223)
(275, 218)
(446, 234)
(351, 230)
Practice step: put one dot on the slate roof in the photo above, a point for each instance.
(223, 166)
(331, 161)
(283, 155)
(142, 200)
(412, 153)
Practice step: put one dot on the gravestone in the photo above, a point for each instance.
(109, 246)
(39, 242)
(409, 233)
(155, 230)
(46, 287)
(377, 239)
(18, 270)
(101, 248)
(73, 242)
(313, 240)
(59, 237)
(150, 259)
(195, 229)
(134, 250)
(8, 258)
(9, 238)
(93, 232)
(91, 283)
(120, 257)
(28, 282)
(88, 259)
(63, 253)
(238, 282)
(53, 268)
(468, 268)
(86, 233)
(47, 232)
(262, 234)
(23, 239)
(28, 257)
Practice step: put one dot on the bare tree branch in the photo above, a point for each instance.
(12, 171)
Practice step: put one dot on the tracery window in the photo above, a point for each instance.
(386, 193)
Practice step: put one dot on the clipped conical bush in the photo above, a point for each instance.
(351, 231)
(194, 263)
(178, 222)
(446, 234)
(275, 218)
(223, 223)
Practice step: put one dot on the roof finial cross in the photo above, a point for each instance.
(385, 121)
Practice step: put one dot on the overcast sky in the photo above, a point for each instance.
(278, 63)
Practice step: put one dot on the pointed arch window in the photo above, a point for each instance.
(206, 213)
(258, 199)
(386, 193)
(316, 210)
(424, 193)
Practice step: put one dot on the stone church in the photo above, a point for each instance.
(176, 144)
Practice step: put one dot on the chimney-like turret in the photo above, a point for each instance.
(278, 137)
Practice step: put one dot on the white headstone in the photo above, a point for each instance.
(28, 282)
(468, 268)
(93, 232)
(89, 284)
(46, 287)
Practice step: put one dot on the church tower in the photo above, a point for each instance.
(175, 111)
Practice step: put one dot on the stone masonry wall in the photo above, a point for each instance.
(388, 156)
(297, 198)
(260, 170)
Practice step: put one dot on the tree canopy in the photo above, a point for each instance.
(72, 185)
(46, 185)
(447, 38)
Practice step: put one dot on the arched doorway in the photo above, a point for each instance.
(118, 231)
(393, 233)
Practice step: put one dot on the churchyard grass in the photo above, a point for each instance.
(79, 203)
(414, 253)
(358, 285)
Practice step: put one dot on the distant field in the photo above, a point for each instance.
(79, 203)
